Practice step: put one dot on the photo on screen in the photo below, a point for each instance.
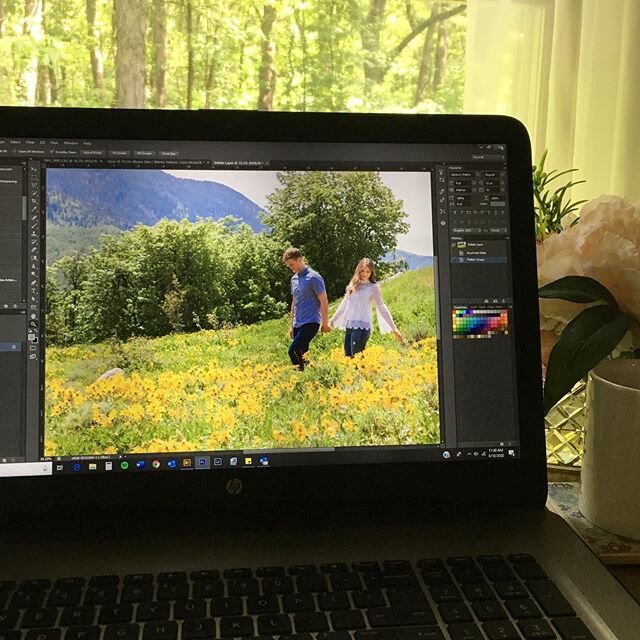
(169, 311)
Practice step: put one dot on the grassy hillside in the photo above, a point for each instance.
(235, 388)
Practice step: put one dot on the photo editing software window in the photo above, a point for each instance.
(183, 305)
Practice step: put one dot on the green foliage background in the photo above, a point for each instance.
(321, 55)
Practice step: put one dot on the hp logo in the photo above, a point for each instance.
(234, 486)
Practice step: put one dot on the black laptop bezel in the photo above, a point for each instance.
(501, 482)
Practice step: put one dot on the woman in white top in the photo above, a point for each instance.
(354, 312)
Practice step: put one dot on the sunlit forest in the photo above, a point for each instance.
(321, 55)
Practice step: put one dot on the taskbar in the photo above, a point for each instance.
(263, 459)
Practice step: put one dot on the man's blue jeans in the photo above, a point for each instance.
(302, 336)
(355, 340)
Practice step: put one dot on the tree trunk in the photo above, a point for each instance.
(129, 28)
(441, 55)
(190, 68)
(159, 37)
(425, 72)
(32, 26)
(3, 17)
(299, 16)
(267, 78)
(374, 60)
(95, 55)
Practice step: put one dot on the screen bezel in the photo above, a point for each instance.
(501, 482)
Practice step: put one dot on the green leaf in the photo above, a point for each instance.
(578, 289)
(589, 338)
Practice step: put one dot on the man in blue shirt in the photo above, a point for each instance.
(309, 306)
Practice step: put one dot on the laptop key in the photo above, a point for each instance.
(489, 610)
(148, 611)
(345, 581)
(525, 608)
(73, 581)
(465, 631)
(530, 571)
(445, 593)
(548, 596)
(364, 599)
(138, 578)
(237, 626)
(399, 616)
(511, 590)
(476, 591)
(137, 593)
(298, 602)
(172, 576)
(274, 624)
(344, 620)
(121, 632)
(242, 586)
(270, 572)
(406, 595)
(502, 630)
(262, 604)
(37, 584)
(82, 633)
(22, 599)
(311, 583)
(36, 618)
(43, 634)
(208, 574)
(198, 629)
(78, 616)
(8, 618)
(572, 629)
(113, 614)
(184, 609)
(107, 594)
(302, 569)
(333, 635)
(227, 606)
(65, 596)
(366, 566)
(277, 585)
(173, 591)
(9, 635)
(160, 630)
(334, 567)
(536, 630)
(406, 633)
(208, 588)
(454, 612)
(333, 600)
(96, 581)
(499, 571)
(306, 622)
(243, 572)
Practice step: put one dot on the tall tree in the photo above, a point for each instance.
(129, 30)
(267, 75)
(159, 39)
(32, 27)
(425, 71)
(95, 53)
(190, 53)
(441, 55)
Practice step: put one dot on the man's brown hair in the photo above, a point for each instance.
(291, 254)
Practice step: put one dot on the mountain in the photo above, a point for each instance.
(413, 260)
(123, 198)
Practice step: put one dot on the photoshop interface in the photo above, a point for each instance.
(463, 203)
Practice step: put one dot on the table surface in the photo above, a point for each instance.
(628, 575)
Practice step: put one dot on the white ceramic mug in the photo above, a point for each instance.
(610, 496)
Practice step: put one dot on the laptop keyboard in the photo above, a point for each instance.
(457, 598)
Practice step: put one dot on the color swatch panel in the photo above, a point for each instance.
(479, 323)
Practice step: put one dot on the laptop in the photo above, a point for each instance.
(277, 375)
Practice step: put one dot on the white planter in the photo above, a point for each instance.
(610, 496)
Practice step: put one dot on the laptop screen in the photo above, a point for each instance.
(174, 305)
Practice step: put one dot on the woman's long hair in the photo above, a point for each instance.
(355, 282)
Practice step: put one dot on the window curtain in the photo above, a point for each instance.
(570, 70)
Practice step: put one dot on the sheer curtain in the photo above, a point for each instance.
(570, 70)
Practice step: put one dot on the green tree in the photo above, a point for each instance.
(335, 219)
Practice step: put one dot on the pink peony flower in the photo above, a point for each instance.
(604, 245)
